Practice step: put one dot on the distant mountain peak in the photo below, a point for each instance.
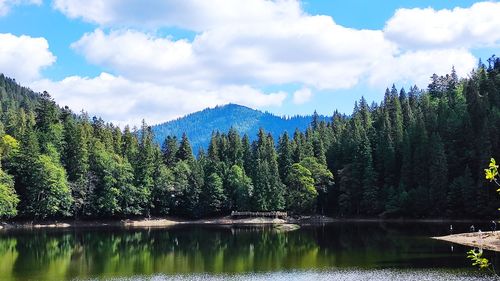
(199, 125)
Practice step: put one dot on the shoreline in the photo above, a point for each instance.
(137, 223)
(227, 220)
(488, 240)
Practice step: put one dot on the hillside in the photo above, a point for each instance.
(199, 125)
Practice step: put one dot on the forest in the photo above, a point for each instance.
(420, 153)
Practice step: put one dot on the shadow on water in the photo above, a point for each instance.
(66, 254)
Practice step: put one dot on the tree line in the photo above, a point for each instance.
(417, 154)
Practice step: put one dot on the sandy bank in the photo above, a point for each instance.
(154, 222)
(489, 240)
(229, 220)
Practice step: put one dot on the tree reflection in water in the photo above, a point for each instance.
(118, 252)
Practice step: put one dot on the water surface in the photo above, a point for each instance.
(336, 251)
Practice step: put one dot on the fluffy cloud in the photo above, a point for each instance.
(122, 101)
(311, 50)
(242, 46)
(197, 15)
(476, 26)
(5, 5)
(415, 67)
(302, 96)
(141, 56)
(22, 57)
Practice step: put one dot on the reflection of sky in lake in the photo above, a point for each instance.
(344, 275)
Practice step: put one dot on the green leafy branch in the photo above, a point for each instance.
(492, 172)
(477, 255)
(477, 259)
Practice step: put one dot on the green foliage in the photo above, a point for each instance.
(438, 174)
(301, 193)
(492, 172)
(115, 192)
(169, 151)
(185, 153)
(75, 154)
(477, 259)
(477, 256)
(163, 194)
(8, 196)
(241, 189)
(269, 190)
(419, 154)
(9, 146)
(212, 195)
(323, 181)
(188, 185)
(48, 191)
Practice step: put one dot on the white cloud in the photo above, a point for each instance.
(140, 56)
(302, 96)
(122, 101)
(196, 15)
(23, 57)
(476, 26)
(311, 50)
(6, 5)
(240, 47)
(415, 67)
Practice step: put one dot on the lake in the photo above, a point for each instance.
(335, 251)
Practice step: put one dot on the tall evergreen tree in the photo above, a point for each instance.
(185, 153)
(169, 150)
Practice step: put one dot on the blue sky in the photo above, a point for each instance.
(158, 60)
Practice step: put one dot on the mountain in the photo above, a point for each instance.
(199, 125)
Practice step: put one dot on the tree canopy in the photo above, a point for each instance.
(420, 153)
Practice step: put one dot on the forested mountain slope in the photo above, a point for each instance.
(199, 126)
(417, 154)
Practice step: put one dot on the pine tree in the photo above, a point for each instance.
(48, 126)
(214, 156)
(145, 166)
(319, 149)
(438, 175)
(370, 198)
(185, 152)
(212, 195)
(241, 189)
(235, 151)
(284, 156)
(130, 145)
(164, 196)
(269, 191)
(169, 150)
(75, 157)
(248, 163)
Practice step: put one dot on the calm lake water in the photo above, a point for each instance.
(336, 251)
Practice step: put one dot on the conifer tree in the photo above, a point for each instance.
(185, 152)
(284, 156)
(169, 150)
(212, 195)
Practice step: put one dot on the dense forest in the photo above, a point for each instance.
(200, 125)
(417, 154)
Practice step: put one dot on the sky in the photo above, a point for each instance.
(128, 60)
